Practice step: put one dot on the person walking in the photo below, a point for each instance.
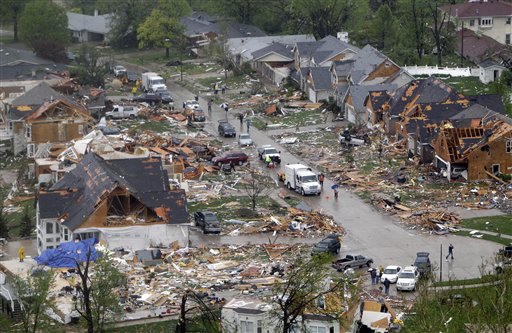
(450, 252)
(223, 89)
(196, 97)
(232, 166)
(241, 117)
(373, 275)
(210, 105)
(321, 178)
(248, 121)
(335, 193)
(386, 284)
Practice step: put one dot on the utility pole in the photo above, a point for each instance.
(462, 45)
(441, 264)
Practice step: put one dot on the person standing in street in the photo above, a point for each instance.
(241, 117)
(210, 105)
(373, 275)
(450, 252)
(321, 178)
(386, 284)
(335, 193)
(248, 121)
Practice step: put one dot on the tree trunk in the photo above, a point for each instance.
(286, 323)
(15, 27)
(167, 52)
(181, 327)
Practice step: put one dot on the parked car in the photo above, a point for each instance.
(132, 76)
(109, 130)
(423, 263)
(208, 222)
(330, 244)
(192, 104)
(149, 98)
(390, 273)
(165, 96)
(244, 139)
(352, 261)
(407, 279)
(235, 157)
(226, 129)
(119, 70)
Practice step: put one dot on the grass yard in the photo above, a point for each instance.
(305, 117)
(231, 82)
(504, 241)
(467, 85)
(501, 224)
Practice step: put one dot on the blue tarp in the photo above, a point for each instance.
(67, 254)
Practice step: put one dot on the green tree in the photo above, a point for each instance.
(90, 69)
(34, 296)
(85, 7)
(163, 25)
(128, 15)
(44, 27)
(382, 28)
(11, 11)
(308, 282)
(98, 302)
(27, 224)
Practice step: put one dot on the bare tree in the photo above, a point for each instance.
(34, 297)
(439, 23)
(97, 302)
(195, 313)
(255, 184)
(306, 287)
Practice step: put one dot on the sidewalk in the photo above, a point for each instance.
(485, 232)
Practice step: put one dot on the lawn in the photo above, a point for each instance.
(467, 85)
(504, 241)
(304, 117)
(466, 282)
(154, 126)
(501, 224)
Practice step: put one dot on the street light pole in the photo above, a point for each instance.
(167, 40)
(441, 264)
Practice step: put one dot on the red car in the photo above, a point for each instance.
(235, 157)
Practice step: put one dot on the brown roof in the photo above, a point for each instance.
(479, 9)
(478, 48)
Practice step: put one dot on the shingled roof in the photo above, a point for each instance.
(479, 9)
(79, 193)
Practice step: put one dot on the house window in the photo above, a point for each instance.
(471, 23)
(317, 329)
(508, 146)
(28, 132)
(66, 234)
(49, 247)
(507, 39)
(49, 227)
(49, 240)
(57, 228)
(11, 125)
(508, 20)
(246, 327)
(81, 129)
(486, 22)
(259, 328)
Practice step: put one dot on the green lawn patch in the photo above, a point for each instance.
(467, 85)
(500, 240)
(501, 224)
(14, 219)
(154, 126)
(466, 282)
(305, 117)
(157, 327)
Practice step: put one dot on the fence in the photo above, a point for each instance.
(436, 70)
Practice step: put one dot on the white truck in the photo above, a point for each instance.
(302, 179)
(152, 82)
(122, 111)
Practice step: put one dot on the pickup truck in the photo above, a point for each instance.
(119, 112)
(267, 150)
(351, 261)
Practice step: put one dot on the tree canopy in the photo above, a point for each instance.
(44, 27)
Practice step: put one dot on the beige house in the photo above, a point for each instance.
(487, 17)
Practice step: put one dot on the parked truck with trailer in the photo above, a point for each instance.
(301, 179)
(152, 82)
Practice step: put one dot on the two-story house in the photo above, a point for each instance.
(492, 18)
(123, 202)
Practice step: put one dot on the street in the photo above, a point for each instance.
(367, 231)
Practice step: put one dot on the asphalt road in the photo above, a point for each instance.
(368, 232)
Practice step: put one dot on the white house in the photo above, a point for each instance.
(251, 315)
(89, 28)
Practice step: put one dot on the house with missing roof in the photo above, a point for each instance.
(250, 314)
(41, 116)
(122, 202)
(89, 28)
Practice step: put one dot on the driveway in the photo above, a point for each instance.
(368, 232)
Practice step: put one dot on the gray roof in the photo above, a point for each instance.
(321, 78)
(489, 63)
(365, 62)
(359, 93)
(10, 56)
(343, 67)
(99, 24)
(201, 22)
(246, 46)
(477, 111)
(39, 94)
(324, 48)
(277, 48)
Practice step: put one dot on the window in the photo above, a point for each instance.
(259, 328)
(246, 326)
(317, 329)
(81, 129)
(66, 234)
(508, 20)
(508, 146)
(28, 132)
(485, 22)
(57, 228)
(49, 240)
(471, 23)
(507, 39)
(49, 227)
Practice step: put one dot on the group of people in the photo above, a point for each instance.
(376, 276)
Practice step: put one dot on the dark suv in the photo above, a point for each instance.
(423, 263)
(208, 222)
(165, 96)
(226, 129)
(330, 244)
(149, 98)
(235, 157)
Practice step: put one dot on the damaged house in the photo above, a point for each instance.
(41, 116)
(122, 202)
(475, 152)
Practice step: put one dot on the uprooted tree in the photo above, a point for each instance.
(309, 287)
(255, 184)
(195, 315)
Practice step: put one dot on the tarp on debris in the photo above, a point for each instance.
(67, 254)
